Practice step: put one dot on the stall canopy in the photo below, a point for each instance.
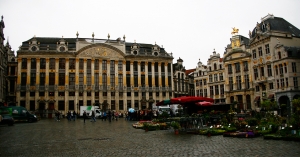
(204, 103)
(184, 100)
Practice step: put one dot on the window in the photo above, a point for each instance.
(32, 94)
(216, 89)
(23, 78)
(204, 82)
(269, 70)
(260, 51)
(52, 63)
(255, 74)
(220, 65)
(89, 78)
(294, 67)
(257, 88)
(280, 69)
(237, 67)
(279, 55)
(285, 68)
(229, 69)
(112, 67)
(24, 63)
(230, 83)
(245, 65)
(62, 63)
(120, 80)
(61, 93)
(51, 78)
(42, 63)
(104, 79)
(61, 105)
(210, 78)
(295, 80)
(61, 81)
(51, 94)
(262, 71)
(282, 82)
(222, 89)
(128, 66)
(81, 64)
(276, 70)
(32, 79)
(278, 85)
(72, 63)
(104, 65)
(247, 84)
(267, 49)
(80, 78)
(287, 82)
(33, 63)
(238, 82)
(221, 76)
(71, 93)
(120, 65)
(96, 64)
(215, 77)
(88, 64)
(200, 82)
(254, 54)
(211, 89)
(271, 86)
(112, 80)
(201, 92)
(205, 92)
(71, 79)
(215, 66)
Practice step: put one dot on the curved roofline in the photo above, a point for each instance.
(100, 44)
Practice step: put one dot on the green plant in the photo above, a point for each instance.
(175, 125)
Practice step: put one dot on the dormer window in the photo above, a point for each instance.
(135, 52)
(155, 54)
(279, 55)
(62, 49)
(33, 48)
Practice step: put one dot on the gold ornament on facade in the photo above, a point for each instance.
(234, 31)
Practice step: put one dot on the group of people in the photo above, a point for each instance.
(71, 115)
(141, 115)
(105, 115)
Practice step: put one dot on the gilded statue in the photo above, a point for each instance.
(234, 31)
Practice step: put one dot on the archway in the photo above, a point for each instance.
(285, 105)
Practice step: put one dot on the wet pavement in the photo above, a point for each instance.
(118, 138)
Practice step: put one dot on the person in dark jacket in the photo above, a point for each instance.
(84, 116)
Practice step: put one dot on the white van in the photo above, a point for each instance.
(162, 109)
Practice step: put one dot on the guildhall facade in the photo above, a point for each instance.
(66, 73)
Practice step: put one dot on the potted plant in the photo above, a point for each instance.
(146, 126)
(176, 127)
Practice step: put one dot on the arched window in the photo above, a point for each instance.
(279, 55)
(215, 66)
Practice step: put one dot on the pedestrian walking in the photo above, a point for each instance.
(84, 116)
(74, 115)
(109, 115)
(69, 115)
(104, 116)
(116, 115)
(93, 117)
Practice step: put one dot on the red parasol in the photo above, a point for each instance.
(190, 99)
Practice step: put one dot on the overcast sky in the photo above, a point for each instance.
(190, 29)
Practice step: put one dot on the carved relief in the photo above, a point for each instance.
(100, 52)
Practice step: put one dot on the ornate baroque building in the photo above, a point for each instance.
(66, 73)
(181, 79)
(200, 80)
(3, 65)
(275, 49)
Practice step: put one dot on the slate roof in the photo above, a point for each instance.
(278, 24)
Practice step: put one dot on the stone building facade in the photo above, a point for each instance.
(3, 65)
(66, 73)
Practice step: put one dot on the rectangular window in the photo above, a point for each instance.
(221, 76)
(96, 64)
(81, 64)
(216, 89)
(200, 82)
(42, 63)
(205, 92)
(89, 79)
(287, 82)
(229, 69)
(269, 67)
(260, 53)
(112, 80)
(211, 89)
(42, 79)
(61, 105)
(128, 66)
(104, 79)
(210, 78)
(280, 69)
(201, 92)
(282, 82)
(262, 71)
(51, 78)
(215, 77)
(257, 88)
(238, 82)
(33, 63)
(120, 66)
(23, 78)
(32, 94)
(62, 62)
(247, 83)
(71, 79)
(72, 63)
(267, 49)
(52, 63)
(245, 63)
(230, 83)
(80, 78)
(89, 64)
(104, 65)
(61, 81)
(24, 63)
(204, 82)
(255, 74)
(32, 105)
(295, 80)
(278, 85)
(32, 79)
(254, 54)
(294, 67)
(237, 67)
(222, 89)
(112, 66)
(271, 86)
(96, 76)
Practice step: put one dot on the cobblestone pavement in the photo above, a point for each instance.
(118, 138)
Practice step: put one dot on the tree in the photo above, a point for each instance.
(296, 105)
(268, 105)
